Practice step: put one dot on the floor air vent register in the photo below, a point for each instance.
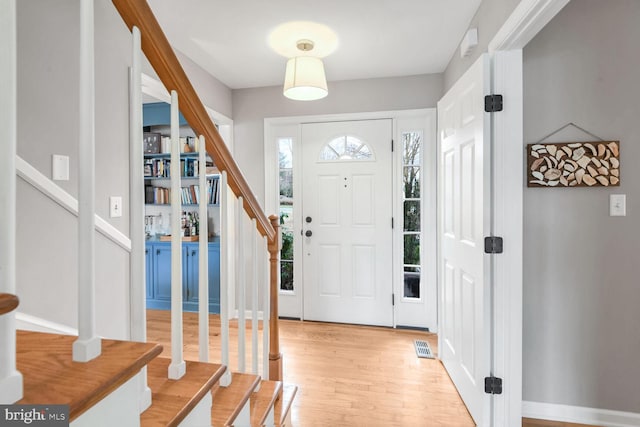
(423, 350)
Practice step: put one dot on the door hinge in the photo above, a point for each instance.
(391, 222)
(393, 299)
(493, 385)
(492, 103)
(392, 145)
(493, 245)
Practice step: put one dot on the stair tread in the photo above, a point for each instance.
(283, 405)
(173, 400)
(52, 377)
(229, 401)
(263, 400)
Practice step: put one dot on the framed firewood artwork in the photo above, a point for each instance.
(573, 164)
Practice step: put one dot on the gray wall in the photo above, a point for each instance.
(252, 106)
(581, 292)
(48, 124)
(212, 92)
(488, 19)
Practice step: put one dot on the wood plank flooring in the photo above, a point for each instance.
(349, 375)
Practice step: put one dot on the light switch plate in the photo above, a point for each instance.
(115, 206)
(617, 205)
(59, 167)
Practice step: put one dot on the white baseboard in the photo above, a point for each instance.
(32, 323)
(579, 414)
(248, 314)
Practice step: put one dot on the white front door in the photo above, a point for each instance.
(346, 219)
(464, 205)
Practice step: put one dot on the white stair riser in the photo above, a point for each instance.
(120, 408)
(200, 416)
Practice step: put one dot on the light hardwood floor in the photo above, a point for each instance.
(348, 375)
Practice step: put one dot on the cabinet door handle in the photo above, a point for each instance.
(193, 253)
(146, 251)
(157, 251)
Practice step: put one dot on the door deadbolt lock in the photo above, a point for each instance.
(308, 219)
(308, 233)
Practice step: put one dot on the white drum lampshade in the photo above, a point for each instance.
(304, 79)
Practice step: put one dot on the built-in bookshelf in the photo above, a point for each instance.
(157, 178)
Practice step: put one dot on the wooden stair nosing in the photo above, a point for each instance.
(173, 400)
(283, 405)
(229, 401)
(52, 377)
(8, 303)
(263, 400)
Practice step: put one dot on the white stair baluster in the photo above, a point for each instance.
(88, 345)
(177, 368)
(136, 212)
(10, 378)
(266, 308)
(203, 263)
(255, 264)
(224, 276)
(241, 281)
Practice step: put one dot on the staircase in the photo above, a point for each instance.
(110, 382)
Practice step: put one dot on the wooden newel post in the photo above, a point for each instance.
(275, 357)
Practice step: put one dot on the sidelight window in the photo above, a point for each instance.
(412, 145)
(285, 162)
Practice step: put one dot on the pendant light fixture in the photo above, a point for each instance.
(304, 78)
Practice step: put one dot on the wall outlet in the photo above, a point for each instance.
(59, 167)
(115, 206)
(617, 205)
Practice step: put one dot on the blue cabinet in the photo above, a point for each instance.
(148, 263)
(159, 281)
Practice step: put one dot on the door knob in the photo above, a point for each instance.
(308, 233)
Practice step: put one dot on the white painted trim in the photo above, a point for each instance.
(289, 302)
(28, 322)
(273, 128)
(507, 222)
(527, 19)
(579, 414)
(48, 188)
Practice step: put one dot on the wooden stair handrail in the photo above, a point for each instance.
(160, 54)
(162, 58)
(8, 303)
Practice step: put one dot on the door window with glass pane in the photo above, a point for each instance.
(412, 206)
(285, 163)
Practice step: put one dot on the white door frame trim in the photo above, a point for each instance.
(528, 18)
(271, 161)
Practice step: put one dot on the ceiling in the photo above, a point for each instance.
(376, 38)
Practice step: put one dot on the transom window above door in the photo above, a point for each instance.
(346, 148)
